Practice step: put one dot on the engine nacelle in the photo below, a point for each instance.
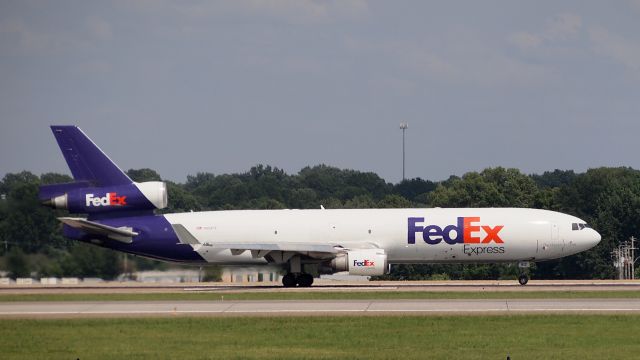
(366, 262)
(136, 196)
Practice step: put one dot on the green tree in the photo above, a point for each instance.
(180, 200)
(54, 178)
(493, 187)
(142, 175)
(360, 202)
(414, 190)
(554, 179)
(17, 264)
(304, 198)
(25, 222)
(394, 201)
(84, 260)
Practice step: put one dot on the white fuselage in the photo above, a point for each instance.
(406, 235)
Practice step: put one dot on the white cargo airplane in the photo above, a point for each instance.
(303, 242)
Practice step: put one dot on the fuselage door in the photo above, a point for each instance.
(555, 246)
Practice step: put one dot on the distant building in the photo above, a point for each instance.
(229, 275)
(169, 276)
(251, 274)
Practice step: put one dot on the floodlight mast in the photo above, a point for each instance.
(403, 127)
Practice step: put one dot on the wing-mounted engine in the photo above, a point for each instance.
(80, 198)
(367, 262)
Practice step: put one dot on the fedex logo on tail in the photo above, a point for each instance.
(467, 230)
(110, 199)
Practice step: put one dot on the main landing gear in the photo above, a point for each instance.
(300, 279)
(296, 276)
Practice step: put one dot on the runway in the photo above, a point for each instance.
(325, 307)
(332, 286)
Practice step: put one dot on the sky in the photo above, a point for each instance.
(221, 86)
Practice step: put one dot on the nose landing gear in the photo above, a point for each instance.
(523, 279)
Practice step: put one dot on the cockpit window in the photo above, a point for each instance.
(580, 226)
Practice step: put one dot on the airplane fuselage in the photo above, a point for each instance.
(407, 235)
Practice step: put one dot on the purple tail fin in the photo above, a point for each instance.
(85, 159)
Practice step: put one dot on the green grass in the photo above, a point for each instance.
(396, 337)
(315, 295)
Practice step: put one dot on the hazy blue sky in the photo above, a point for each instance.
(219, 86)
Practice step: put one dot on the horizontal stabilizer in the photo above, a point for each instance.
(121, 234)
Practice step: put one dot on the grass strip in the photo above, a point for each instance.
(342, 337)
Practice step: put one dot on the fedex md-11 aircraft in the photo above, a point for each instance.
(120, 216)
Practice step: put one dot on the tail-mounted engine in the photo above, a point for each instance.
(80, 197)
(367, 262)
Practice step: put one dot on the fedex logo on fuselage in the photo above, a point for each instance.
(110, 199)
(468, 230)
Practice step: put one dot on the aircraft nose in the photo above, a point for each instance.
(591, 238)
(596, 238)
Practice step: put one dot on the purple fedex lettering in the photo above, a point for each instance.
(434, 234)
(413, 228)
(464, 229)
(459, 238)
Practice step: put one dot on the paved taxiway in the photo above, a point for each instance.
(331, 286)
(327, 307)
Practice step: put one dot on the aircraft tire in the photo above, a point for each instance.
(523, 279)
(289, 280)
(305, 280)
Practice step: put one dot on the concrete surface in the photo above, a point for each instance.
(324, 307)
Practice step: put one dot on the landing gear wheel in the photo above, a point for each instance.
(523, 279)
(289, 280)
(305, 280)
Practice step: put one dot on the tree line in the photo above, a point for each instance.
(607, 198)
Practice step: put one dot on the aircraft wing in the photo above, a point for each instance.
(296, 247)
(122, 234)
(279, 252)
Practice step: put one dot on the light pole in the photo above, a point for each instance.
(3, 198)
(403, 127)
